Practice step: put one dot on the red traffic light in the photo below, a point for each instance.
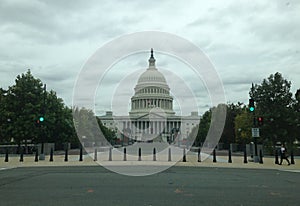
(260, 121)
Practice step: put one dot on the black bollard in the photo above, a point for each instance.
(140, 154)
(51, 155)
(125, 157)
(276, 157)
(95, 155)
(292, 158)
(245, 156)
(229, 156)
(199, 154)
(260, 157)
(110, 154)
(22, 156)
(80, 155)
(36, 159)
(66, 155)
(154, 154)
(184, 156)
(169, 155)
(6, 155)
(214, 156)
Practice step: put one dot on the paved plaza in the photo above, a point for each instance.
(94, 185)
(87, 182)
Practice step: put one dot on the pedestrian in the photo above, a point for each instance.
(283, 155)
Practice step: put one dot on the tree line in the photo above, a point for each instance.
(275, 105)
(24, 103)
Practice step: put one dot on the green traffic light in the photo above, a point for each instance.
(251, 105)
(41, 119)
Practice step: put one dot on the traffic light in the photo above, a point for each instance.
(41, 119)
(260, 121)
(251, 105)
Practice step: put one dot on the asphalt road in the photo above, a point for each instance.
(176, 186)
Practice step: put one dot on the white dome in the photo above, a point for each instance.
(152, 76)
(151, 91)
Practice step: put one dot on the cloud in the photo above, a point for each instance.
(246, 41)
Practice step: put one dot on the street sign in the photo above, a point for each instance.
(255, 132)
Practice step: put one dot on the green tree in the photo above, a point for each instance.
(4, 120)
(109, 134)
(84, 120)
(274, 103)
(58, 124)
(229, 134)
(243, 124)
(202, 128)
(24, 103)
(23, 108)
(296, 129)
(88, 127)
(211, 127)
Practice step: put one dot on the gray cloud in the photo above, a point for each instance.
(246, 41)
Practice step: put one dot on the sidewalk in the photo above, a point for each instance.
(162, 160)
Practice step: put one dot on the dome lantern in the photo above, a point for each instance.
(152, 61)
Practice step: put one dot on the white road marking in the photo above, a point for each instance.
(6, 168)
(297, 171)
(3, 168)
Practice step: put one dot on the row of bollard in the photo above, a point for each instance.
(139, 156)
(36, 156)
(95, 155)
(230, 156)
(154, 156)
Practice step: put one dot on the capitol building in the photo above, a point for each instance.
(151, 116)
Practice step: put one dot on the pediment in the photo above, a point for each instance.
(151, 116)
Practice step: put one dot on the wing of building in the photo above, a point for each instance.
(151, 117)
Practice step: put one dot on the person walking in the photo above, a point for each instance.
(283, 155)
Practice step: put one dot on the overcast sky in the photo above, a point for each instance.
(245, 40)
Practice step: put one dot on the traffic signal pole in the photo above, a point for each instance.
(41, 119)
(256, 159)
(252, 110)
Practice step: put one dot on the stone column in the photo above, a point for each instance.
(159, 127)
